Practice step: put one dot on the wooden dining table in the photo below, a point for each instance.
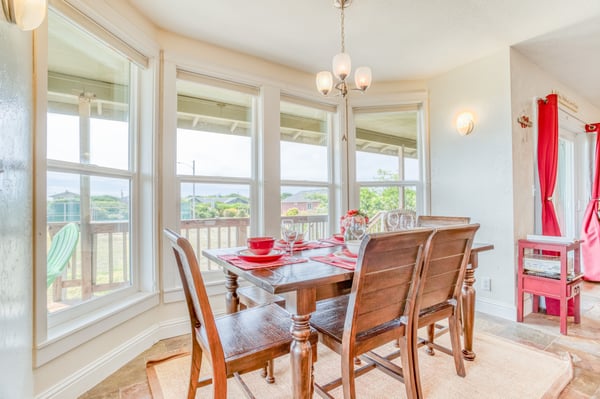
(308, 282)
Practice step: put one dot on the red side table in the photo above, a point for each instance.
(561, 285)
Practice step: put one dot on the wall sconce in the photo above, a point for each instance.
(26, 14)
(465, 122)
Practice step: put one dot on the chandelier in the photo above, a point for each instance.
(342, 66)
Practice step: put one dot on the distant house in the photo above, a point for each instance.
(64, 207)
(305, 201)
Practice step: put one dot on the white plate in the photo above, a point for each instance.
(340, 254)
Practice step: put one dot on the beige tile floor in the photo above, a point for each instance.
(537, 330)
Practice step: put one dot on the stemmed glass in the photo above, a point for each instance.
(407, 222)
(358, 228)
(290, 233)
(393, 220)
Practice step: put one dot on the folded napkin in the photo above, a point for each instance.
(332, 240)
(246, 265)
(306, 245)
(333, 260)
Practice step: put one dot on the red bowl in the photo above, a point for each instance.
(260, 245)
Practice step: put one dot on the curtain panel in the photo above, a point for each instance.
(590, 226)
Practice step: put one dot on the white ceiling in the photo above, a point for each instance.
(398, 39)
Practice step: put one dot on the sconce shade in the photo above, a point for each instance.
(341, 66)
(362, 78)
(324, 82)
(26, 14)
(465, 123)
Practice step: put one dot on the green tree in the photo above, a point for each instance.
(292, 212)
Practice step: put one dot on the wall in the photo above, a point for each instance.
(472, 175)
(16, 224)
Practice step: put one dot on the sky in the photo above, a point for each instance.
(202, 152)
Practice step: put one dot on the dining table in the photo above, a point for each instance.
(305, 278)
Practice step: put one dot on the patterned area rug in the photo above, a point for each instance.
(502, 370)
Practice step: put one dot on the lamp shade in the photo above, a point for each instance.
(465, 122)
(362, 78)
(29, 14)
(341, 66)
(324, 82)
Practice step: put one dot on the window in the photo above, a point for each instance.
(215, 130)
(91, 174)
(388, 167)
(305, 166)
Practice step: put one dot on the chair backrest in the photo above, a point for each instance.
(61, 250)
(202, 319)
(445, 265)
(437, 221)
(385, 281)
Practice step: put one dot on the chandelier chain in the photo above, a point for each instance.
(343, 33)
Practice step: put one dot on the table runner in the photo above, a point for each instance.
(246, 265)
(306, 245)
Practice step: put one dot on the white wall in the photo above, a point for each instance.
(16, 187)
(472, 175)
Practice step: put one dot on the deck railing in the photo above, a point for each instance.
(101, 262)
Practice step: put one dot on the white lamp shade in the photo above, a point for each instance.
(29, 14)
(465, 122)
(324, 82)
(341, 66)
(362, 78)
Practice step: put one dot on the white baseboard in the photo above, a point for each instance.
(83, 380)
(495, 308)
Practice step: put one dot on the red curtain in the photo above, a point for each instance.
(547, 161)
(547, 168)
(590, 229)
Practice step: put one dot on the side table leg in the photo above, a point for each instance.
(232, 302)
(301, 357)
(468, 302)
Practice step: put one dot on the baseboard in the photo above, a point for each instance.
(83, 380)
(495, 308)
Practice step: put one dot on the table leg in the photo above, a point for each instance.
(232, 302)
(301, 351)
(468, 308)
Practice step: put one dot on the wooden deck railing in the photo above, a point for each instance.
(105, 266)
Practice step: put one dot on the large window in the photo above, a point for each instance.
(91, 175)
(306, 166)
(388, 168)
(214, 163)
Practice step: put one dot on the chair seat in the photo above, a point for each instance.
(251, 296)
(241, 339)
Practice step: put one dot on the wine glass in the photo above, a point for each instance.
(358, 228)
(289, 231)
(393, 221)
(407, 221)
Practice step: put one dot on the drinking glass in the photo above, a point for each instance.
(393, 220)
(407, 221)
(290, 232)
(358, 228)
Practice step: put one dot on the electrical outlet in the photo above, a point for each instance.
(486, 283)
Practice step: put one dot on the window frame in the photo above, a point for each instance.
(56, 334)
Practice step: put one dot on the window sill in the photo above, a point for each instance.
(66, 336)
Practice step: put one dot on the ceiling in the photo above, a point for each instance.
(398, 39)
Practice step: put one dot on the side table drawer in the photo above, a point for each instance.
(574, 289)
(542, 286)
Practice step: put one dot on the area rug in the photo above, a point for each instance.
(502, 370)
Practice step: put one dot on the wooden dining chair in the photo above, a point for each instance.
(379, 308)
(442, 276)
(439, 221)
(234, 343)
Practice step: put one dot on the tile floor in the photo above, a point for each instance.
(538, 330)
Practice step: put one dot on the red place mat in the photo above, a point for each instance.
(332, 240)
(333, 260)
(307, 245)
(244, 264)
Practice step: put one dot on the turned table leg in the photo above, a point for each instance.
(468, 308)
(232, 302)
(301, 351)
